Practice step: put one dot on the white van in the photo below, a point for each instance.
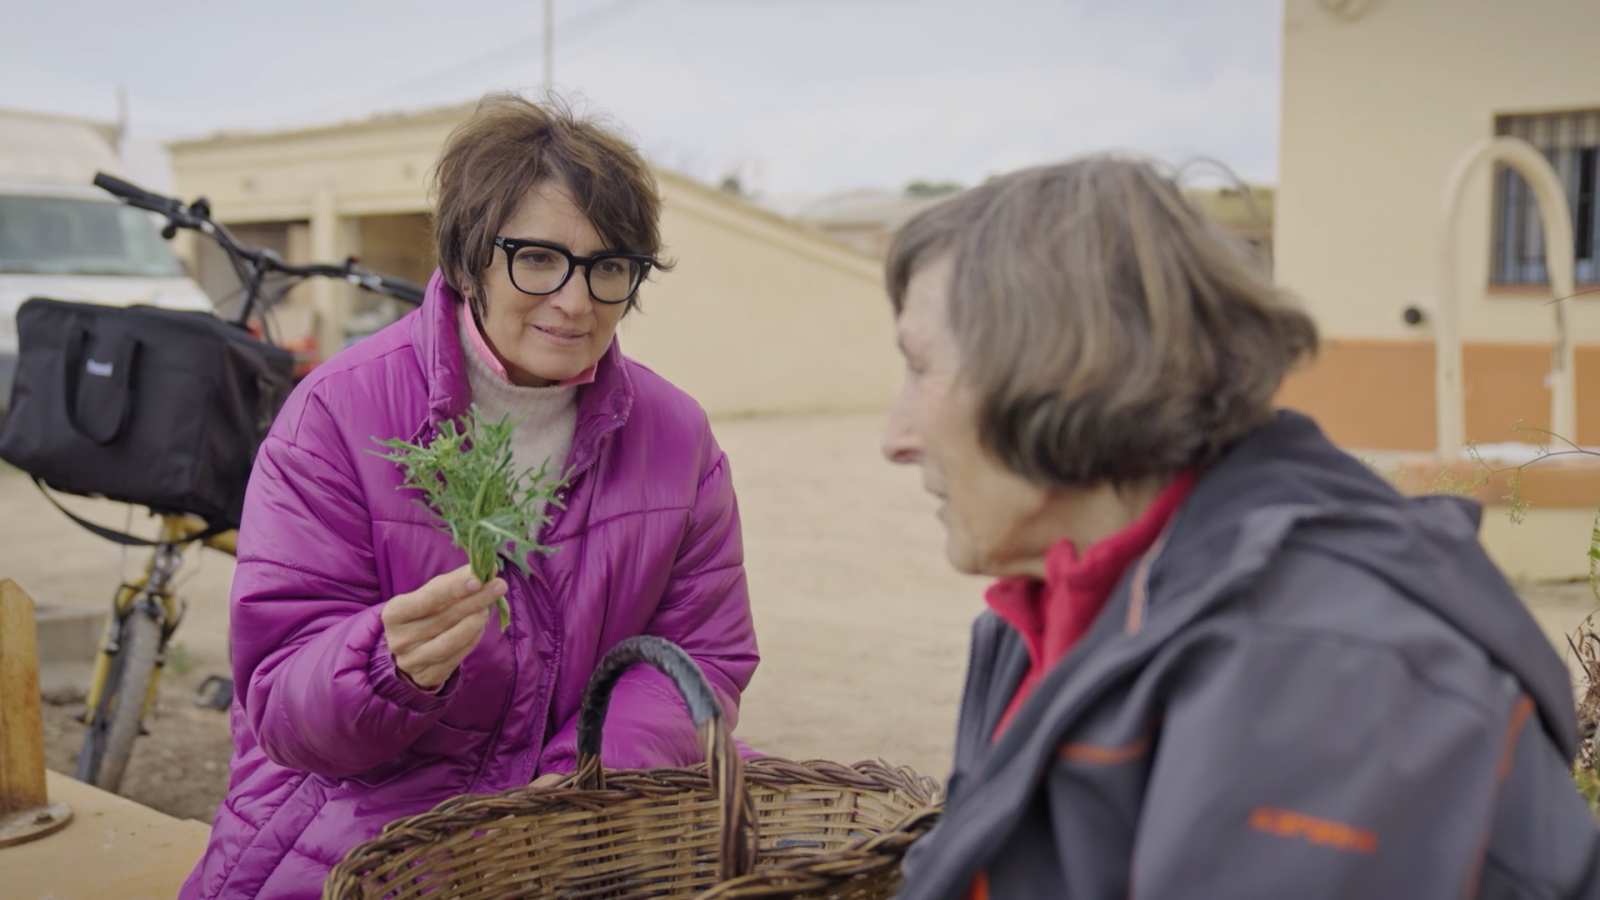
(63, 238)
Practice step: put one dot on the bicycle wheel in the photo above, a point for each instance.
(109, 740)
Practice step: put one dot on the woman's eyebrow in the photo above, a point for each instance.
(543, 241)
(603, 251)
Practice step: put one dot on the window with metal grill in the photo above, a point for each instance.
(1571, 141)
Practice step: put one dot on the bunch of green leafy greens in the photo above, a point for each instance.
(468, 479)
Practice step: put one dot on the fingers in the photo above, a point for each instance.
(431, 664)
(445, 599)
(439, 594)
(407, 635)
(432, 629)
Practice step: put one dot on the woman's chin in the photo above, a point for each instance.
(962, 556)
(548, 368)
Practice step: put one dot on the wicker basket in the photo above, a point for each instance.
(728, 829)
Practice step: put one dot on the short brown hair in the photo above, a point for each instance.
(1112, 333)
(510, 144)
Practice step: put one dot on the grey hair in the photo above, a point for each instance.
(1111, 332)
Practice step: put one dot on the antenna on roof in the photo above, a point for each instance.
(122, 116)
(549, 45)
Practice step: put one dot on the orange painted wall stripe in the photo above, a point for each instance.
(1377, 394)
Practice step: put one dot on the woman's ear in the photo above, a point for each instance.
(470, 292)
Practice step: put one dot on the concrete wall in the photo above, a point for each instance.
(1378, 105)
(760, 316)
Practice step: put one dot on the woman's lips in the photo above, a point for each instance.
(565, 337)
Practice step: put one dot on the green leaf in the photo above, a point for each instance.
(467, 477)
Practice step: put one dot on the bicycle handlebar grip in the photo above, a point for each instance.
(135, 195)
(402, 290)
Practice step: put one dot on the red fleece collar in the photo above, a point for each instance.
(1053, 615)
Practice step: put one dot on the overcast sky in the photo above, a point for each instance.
(796, 96)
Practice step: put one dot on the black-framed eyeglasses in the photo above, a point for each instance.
(540, 268)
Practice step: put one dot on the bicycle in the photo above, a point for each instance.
(146, 612)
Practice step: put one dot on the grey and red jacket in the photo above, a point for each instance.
(1310, 687)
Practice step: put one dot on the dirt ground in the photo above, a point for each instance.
(863, 628)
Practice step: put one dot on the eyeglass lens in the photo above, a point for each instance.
(540, 270)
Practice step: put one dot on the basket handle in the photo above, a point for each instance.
(725, 768)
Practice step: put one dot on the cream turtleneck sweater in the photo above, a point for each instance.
(545, 417)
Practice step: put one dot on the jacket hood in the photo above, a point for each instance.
(1425, 547)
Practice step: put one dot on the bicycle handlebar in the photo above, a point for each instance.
(397, 288)
(197, 217)
(136, 196)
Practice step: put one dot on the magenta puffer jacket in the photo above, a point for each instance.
(331, 742)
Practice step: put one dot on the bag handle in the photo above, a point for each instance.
(121, 369)
(122, 537)
(724, 767)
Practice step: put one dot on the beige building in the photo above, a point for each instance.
(761, 315)
(868, 219)
(1383, 101)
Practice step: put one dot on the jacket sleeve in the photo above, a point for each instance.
(1299, 764)
(312, 670)
(705, 609)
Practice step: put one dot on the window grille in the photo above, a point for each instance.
(1571, 141)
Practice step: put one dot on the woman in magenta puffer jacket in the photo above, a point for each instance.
(370, 684)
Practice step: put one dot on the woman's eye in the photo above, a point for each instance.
(611, 267)
(538, 259)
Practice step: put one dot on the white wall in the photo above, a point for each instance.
(1376, 111)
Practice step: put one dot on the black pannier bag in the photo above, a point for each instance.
(156, 407)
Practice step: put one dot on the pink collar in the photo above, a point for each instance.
(469, 325)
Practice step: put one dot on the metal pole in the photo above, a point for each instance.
(122, 116)
(549, 44)
(1556, 218)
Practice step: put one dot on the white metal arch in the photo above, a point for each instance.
(1556, 218)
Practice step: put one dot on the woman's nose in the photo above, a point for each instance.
(573, 298)
(901, 444)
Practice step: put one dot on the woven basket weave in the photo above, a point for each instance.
(769, 828)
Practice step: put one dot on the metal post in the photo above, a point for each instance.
(325, 292)
(549, 44)
(1556, 218)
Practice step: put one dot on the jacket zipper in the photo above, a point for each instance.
(511, 694)
(547, 689)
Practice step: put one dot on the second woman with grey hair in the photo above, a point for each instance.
(1223, 658)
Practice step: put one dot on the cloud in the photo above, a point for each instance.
(798, 95)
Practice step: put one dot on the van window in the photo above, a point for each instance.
(64, 236)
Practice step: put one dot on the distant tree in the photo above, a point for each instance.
(932, 188)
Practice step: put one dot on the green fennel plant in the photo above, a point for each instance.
(469, 481)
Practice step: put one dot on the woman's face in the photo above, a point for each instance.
(995, 522)
(542, 340)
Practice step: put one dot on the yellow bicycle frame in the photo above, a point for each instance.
(174, 530)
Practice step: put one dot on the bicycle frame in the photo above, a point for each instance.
(146, 612)
(151, 593)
